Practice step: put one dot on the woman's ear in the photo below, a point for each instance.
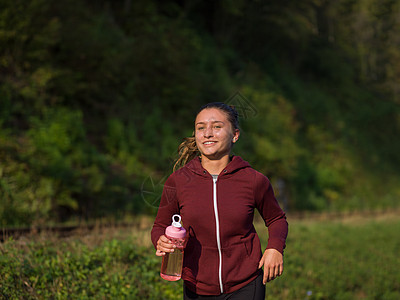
(236, 135)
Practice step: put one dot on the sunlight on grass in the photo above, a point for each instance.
(346, 258)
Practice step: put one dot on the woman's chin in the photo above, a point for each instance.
(214, 156)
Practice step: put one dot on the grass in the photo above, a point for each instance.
(351, 258)
(347, 258)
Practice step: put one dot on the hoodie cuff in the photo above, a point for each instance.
(276, 244)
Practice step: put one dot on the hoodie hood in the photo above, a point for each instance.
(234, 165)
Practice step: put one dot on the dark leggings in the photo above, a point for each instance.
(254, 290)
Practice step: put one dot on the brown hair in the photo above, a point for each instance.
(188, 150)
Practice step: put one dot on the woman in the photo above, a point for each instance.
(216, 194)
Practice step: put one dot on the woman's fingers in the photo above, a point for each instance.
(274, 272)
(280, 270)
(164, 245)
(271, 275)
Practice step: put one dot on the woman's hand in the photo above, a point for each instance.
(272, 261)
(164, 245)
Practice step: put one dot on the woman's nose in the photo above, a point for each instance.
(208, 132)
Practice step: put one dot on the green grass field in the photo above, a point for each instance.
(347, 258)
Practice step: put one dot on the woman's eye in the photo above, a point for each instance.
(200, 128)
(217, 126)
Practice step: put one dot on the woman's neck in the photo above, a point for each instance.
(215, 166)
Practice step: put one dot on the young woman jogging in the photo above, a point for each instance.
(216, 195)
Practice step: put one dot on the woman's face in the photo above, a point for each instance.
(214, 133)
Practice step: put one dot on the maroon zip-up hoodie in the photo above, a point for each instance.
(223, 249)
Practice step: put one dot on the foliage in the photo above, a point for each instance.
(354, 258)
(329, 260)
(112, 269)
(95, 98)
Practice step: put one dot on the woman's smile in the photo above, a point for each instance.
(209, 143)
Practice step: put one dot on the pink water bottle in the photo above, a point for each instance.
(171, 266)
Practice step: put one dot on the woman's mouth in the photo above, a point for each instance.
(209, 143)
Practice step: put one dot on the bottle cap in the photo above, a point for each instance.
(176, 221)
(176, 230)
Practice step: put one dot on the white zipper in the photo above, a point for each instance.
(217, 232)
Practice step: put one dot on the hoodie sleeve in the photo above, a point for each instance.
(167, 208)
(273, 215)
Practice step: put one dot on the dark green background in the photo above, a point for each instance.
(95, 97)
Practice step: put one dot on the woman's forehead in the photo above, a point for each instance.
(211, 115)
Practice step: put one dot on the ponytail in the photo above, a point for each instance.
(187, 150)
